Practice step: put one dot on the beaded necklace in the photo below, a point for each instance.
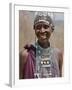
(43, 62)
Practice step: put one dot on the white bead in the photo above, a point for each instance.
(44, 62)
(47, 62)
(41, 62)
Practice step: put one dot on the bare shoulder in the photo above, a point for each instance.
(59, 54)
(58, 51)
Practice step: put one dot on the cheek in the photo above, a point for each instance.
(37, 33)
(48, 34)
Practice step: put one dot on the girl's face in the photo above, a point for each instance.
(43, 32)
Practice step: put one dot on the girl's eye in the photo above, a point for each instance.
(40, 26)
(45, 26)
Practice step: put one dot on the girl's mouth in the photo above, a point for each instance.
(43, 36)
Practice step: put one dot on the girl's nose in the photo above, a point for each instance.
(42, 30)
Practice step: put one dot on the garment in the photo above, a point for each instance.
(33, 67)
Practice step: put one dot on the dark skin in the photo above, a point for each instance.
(43, 33)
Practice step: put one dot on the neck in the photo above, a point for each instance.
(44, 45)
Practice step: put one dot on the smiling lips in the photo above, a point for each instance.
(43, 35)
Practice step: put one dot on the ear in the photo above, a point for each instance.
(52, 27)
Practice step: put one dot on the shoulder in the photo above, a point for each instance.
(23, 55)
(26, 51)
(58, 51)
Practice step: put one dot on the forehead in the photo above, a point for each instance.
(39, 23)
